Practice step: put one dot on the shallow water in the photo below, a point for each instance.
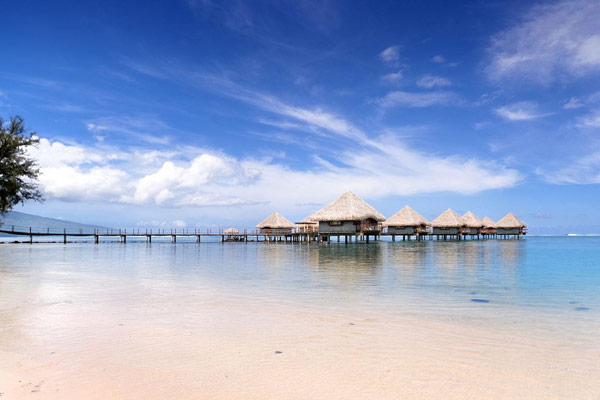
(466, 304)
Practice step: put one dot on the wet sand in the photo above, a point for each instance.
(230, 350)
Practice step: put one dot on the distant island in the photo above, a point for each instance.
(24, 220)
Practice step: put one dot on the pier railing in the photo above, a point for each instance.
(243, 235)
(23, 230)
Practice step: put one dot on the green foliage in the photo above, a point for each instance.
(18, 171)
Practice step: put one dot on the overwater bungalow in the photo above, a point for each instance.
(308, 225)
(232, 235)
(447, 224)
(348, 216)
(473, 224)
(489, 226)
(511, 225)
(275, 225)
(407, 222)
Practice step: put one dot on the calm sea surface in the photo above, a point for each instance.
(543, 285)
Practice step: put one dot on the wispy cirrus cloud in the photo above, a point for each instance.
(441, 60)
(390, 55)
(354, 162)
(520, 111)
(552, 41)
(590, 120)
(280, 124)
(573, 103)
(418, 99)
(393, 77)
(583, 170)
(145, 68)
(208, 178)
(147, 128)
(95, 127)
(65, 107)
(431, 81)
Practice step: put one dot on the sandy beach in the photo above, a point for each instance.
(240, 348)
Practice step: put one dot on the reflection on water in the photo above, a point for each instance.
(538, 281)
(345, 263)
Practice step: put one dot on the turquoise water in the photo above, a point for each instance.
(543, 285)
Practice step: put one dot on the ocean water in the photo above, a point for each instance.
(493, 318)
(547, 284)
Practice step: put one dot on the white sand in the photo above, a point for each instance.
(226, 350)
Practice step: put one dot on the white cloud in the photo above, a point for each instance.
(520, 111)
(584, 170)
(412, 99)
(192, 177)
(587, 53)
(572, 103)
(53, 154)
(439, 59)
(430, 81)
(487, 98)
(390, 55)
(316, 118)
(393, 77)
(195, 177)
(550, 42)
(280, 124)
(177, 184)
(78, 173)
(94, 127)
(591, 120)
(144, 69)
(146, 128)
(74, 183)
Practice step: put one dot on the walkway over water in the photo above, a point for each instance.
(242, 236)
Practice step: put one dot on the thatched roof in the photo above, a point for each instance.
(510, 221)
(310, 219)
(348, 207)
(406, 217)
(472, 220)
(448, 219)
(231, 231)
(275, 221)
(488, 222)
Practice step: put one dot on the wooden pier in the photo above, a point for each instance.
(242, 237)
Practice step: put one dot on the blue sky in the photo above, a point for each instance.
(203, 113)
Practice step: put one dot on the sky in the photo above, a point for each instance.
(200, 113)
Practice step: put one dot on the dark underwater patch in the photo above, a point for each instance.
(480, 300)
(581, 308)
